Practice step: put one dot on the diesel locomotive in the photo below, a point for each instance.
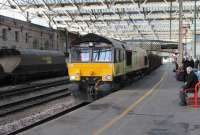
(97, 63)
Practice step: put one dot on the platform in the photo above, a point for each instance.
(147, 107)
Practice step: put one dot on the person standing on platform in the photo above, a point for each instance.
(186, 64)
(196, 63)
(198, 72)
(191, 62)
(192, 80)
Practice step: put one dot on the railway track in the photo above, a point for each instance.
(17, 98)
(49, 118)
(28, 87)
(24, 96)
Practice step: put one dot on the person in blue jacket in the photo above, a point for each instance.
(198, 72)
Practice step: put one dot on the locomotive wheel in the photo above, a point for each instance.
(91, 92)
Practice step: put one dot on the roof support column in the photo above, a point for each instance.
(180, 46)
(170, 23)
(195, 28)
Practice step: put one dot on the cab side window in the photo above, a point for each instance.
(119, 56)
(4, 34)
(122, 52)
(128, 58)
(115, 56)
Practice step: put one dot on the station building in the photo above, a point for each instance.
(20, 34)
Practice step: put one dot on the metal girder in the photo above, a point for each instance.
(4, 4)
(122, 19)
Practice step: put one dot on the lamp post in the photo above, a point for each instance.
(180, 46)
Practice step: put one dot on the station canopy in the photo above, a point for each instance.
(120, 19)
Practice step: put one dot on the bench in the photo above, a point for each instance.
(195, 99)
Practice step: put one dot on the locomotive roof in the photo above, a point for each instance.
(91, 37)
(133, 47)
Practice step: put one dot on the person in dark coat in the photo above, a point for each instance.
(198, 72)
(191, 62)
(176, 65)
(192, 80)
(196, 63)
(186, 64)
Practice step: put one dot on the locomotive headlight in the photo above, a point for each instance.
(107, 78)
(72, 77)
(75, 77)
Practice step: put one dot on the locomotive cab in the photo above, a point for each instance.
(90, 61)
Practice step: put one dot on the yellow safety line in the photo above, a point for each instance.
(129, 109)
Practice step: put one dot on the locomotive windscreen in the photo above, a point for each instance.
(88, 54)
(80, 55)
(101, 55)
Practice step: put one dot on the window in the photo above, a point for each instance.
(46, 45)
(51, 46)
(4, 34)
(35, 44)
(80, 55)
(51, 36)
(16, 36)
(27, 38)
(128, 58)
(102, 55)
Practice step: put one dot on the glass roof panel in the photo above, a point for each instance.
(150, 19)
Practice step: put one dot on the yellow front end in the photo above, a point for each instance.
(102, 70)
